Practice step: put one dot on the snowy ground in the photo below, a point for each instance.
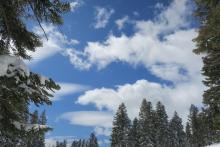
(214, 145)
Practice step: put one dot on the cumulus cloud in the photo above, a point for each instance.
(177, 98)
(121, 22)
(102, 121)
(169, 55)
(75, 4)
(68, 88)
(102, 16)
(56, 43)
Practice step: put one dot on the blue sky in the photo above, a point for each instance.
(109, 52)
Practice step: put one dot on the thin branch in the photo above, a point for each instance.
(38, 20)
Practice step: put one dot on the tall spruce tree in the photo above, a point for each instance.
(208, 42)
(133, 134)
(188, 135)
(195, 126)
(146, 125)
(177, 134)
(161, 126)
(120, 129)
(19, 86)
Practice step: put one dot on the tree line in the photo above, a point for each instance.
(91, 142)
(152, 128)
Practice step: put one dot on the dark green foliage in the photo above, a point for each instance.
(13, 30)
(188, 135)
(177, 134)
(146, 126)
(151, 129)
(120, 129)
(161, 126)
(208, 42)
(22, 88)
(133, 134)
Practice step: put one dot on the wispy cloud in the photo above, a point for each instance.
(102, 16)
(56, 43)
(67, 89)
(102, 121)
(75, 4)
(121, 22)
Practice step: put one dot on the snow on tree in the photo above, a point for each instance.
(19, 86)
(177, 134)
(120, 129)
(146, 126)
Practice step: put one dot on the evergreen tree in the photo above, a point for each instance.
(146, 126)
(161, 126)
(133, 134)
(120, 129)
(188, 135)
(92, 142)
(195, 126)
(177, 135)
(208, 42)
(19, 87)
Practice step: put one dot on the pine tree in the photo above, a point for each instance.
(188, 135)
(208, 42)
(92, 142)
(145, 127)
(133, 134)
(19, 86)
(161, 126)
(177, 135)
(195, 126)
(120, 129)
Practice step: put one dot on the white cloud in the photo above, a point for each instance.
(102, 121)
(102, 16)
(164, 47)
(178, 98)
(145, 47)
(121, 22)
(75, 4)
(68, 88)
(56, 43)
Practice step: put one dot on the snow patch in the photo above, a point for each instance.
(10, 65)
(214, 145)
(29, 127)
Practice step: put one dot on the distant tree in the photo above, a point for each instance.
(61, 144)
(177, 134)
(146, 125)
(120, 129)
(92, 142)
(161, 126)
